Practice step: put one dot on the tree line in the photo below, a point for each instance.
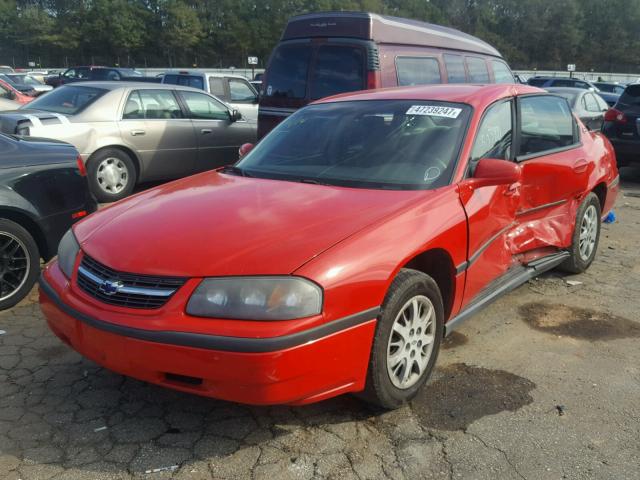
(600, 35)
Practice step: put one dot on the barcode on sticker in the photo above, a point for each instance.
(434, 111)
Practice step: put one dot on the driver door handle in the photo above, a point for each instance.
(136, 133)
(206, 131)
(580, 166)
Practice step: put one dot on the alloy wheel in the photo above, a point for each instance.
(588, 232)
(14, 264)
(112, 175)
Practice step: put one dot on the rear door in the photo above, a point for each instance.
(218, 137)
(155, 127)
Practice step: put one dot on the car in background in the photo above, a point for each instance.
(9, 92)
(6, 104)
(129, 132)
(235, 90)
(622, 126)
(610, 98)
(92, 74)
(545, 82)
(610, 87)
(324, 54)
(29, 81)
(257, 85)
(588, 106)
(16, 84)
(43, 191)
(337, 254)
(6, 69)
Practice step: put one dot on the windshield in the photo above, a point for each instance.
(368, 144)
(68, 100)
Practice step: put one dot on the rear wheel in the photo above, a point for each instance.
(407, 340)
(19, 263)
(586, 235)
(112, 174)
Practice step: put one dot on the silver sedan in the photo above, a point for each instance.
(130, 132)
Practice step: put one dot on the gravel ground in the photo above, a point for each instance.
(543, 384)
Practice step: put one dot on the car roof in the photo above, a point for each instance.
(115, 85)
(198, 72)
(474, 95)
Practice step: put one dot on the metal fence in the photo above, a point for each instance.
(591, 76)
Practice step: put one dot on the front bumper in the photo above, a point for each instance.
(294, 369)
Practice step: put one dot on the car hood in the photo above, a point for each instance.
(218, 224)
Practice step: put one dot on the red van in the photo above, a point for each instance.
(322, 54)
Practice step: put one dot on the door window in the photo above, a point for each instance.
(152, 105)
(495, 134)
(478, 72)
(71, 73)
(338, 69)
(5, 93)
(546, 124)
(501, 72)
(216, 87)
(241, 92)
(455, 68)
(204, 107)
(417, 70)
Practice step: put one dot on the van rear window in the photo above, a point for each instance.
(287, 77)
(184, 80)
(338, 69)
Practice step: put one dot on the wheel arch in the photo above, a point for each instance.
(31, 226)
(438, 264)
(601, 192)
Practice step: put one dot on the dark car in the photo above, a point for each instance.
(545, 82)
(610, 87)
(43, 191)
(610, 98)
(622, 126)
(92, 73)
(587, 105)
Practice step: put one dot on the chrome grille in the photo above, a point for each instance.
(125, 289)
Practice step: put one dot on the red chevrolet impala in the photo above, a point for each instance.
(340, 250)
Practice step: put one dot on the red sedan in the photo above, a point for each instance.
(340, 250)
(8, 91)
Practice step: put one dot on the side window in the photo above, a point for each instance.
(204, 107)
(71, 73)
(546, 124)
(82, 73)
(455, 68)
(478, 72)
(241, 92)
(151, 105)
(216, 87)
(417, 70)
(4, 93)
(113, 75)
(591, 103)
(581, 85)
(501, 72)
(495, 134)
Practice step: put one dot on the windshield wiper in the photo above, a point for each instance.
(232, 169)
(312, 181)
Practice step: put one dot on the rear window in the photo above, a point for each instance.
(477, 70)
(288, 69)
(67, 99)
(338, 69)
(537, 82)
(417, 70)
(630, 96)
(455, 68)
(184, 80)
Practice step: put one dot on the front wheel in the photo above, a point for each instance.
(19, 263)
(407, 340)
(586, 236)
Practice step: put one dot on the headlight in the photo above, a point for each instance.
(67, 253)
(256, 298)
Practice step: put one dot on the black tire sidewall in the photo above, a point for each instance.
(380, 389)
(25, 237)
(92, 171)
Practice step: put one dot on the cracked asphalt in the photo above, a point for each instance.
(543, 384)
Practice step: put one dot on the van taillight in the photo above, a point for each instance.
(81, 167)
(615, 115)
(373, 79)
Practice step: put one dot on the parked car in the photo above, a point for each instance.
(44, 191)
(587, 105)
(6, 104)
(610, 98)
(343, 247)
(91, 74)
(609, 87)
(622, 125)
(29, 81)
(6, 69)
(324, 54)
(20, 87)
(235, 90)
(9, 92)
(567, 82)
(129, 132)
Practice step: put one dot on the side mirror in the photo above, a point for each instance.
(235, 115)
(245, 148)
(491, 171)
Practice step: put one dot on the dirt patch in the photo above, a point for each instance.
(453, 340)
(578, 322)
(463, 394)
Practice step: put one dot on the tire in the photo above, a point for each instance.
(390, 352)
(587, 226)
(19, 263)
(112, 175)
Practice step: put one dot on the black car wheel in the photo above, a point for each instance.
(19, 263)
(112, 175)
(407, 340)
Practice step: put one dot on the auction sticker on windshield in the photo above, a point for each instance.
(434, 111)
